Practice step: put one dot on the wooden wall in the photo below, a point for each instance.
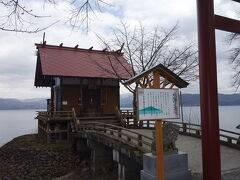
(109, 99)
(71, 95)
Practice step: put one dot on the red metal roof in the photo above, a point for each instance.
(75, 62)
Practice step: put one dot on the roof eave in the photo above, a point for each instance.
(179, 82)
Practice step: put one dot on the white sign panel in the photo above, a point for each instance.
(64, 103)
(158, 104)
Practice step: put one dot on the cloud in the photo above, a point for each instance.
(17, 53)
(225, 75)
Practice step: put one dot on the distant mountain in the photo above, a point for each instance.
(223, 99)
(36, 103)
(190, 100)
(229, 99)
(125, 101)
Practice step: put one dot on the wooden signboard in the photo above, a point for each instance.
(157, 100)
(158, 104)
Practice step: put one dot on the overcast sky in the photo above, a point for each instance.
(17, 50)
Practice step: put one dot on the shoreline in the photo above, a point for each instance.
(45, 108)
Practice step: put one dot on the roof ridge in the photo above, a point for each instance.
(76, 49)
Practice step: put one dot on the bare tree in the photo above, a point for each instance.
(144, 48)
(234, 39)
(17, 16)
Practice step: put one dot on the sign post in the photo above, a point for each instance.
(158, 135)
(157, 104)
(159, 149)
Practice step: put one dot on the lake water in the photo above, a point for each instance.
(229, 116)
(14, 123)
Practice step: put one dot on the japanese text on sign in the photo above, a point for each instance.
(158, 104)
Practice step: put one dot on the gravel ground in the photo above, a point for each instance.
(25, 157)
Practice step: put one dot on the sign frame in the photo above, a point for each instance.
(155, 117)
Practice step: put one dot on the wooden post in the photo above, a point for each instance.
(119, 133)
(68, 131)
(229, 140)
(159, 150)
(111, 132)
(184, 127)
(139, 140)
(238, 141)
(47, 134)
(159, 135)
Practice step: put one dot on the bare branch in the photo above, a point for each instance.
(83, 11)
(144, 48)
(28, 31)
(233, 39)
(18, 16)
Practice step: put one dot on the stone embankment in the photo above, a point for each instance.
(25, 157)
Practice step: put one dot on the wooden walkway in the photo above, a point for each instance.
(138, 138)
(230, 158)
(141, 139)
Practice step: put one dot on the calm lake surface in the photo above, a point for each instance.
(14, 123)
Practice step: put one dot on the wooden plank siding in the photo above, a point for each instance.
(112, 100)
(72, 94)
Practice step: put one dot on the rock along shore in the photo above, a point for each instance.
(25, 157)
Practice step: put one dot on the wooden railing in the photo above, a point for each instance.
(129, 137)
(55, 115)
(120, 117)
(125, 117)
(75, 124)
(47, 124)
(228, 138)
